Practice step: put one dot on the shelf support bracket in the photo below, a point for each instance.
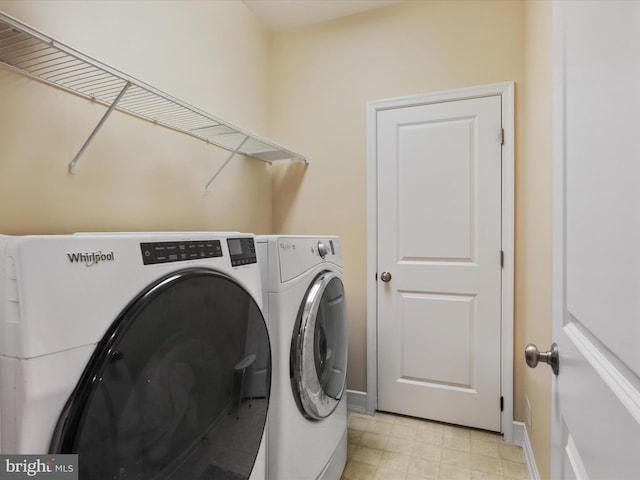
(72, 165)
(229, 158)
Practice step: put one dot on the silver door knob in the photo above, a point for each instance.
(385, 276)
(533, 356)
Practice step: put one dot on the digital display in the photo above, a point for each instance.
(242, 251)
(235, 246)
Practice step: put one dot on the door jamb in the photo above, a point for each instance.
(506, 91)
(558, 218)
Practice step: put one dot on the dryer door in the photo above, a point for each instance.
(319, 348)
(177, 389)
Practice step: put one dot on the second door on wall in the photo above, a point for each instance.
(439, 261)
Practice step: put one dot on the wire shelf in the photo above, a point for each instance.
(39, 56)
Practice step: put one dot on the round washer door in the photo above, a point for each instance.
(178, 388)
(319, 348)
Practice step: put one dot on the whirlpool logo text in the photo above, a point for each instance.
(51, 467)
(91, 258)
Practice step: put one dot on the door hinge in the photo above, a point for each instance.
(501, 258)
(502, 136)
(502, 404)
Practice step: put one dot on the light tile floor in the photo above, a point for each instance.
(393, 447)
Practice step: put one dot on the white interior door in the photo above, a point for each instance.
(439, 261)
(596, 314)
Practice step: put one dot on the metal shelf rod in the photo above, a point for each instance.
(233, 154)
(72, 165)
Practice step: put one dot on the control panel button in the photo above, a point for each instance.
(323, 250)
(168, 252)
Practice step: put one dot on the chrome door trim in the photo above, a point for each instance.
(315, 402)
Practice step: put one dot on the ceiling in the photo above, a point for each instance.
(285, 14)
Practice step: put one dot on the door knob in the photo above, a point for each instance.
(533, 356)
(385, 276)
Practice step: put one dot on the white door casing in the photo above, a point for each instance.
(438, 274)
(596, 259)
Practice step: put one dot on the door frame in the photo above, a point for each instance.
(558, 218)
(506, 91)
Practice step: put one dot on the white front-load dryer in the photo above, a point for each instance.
(304, 299)
(147, 355)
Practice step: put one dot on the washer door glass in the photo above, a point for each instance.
(319, 348)
(177, 389)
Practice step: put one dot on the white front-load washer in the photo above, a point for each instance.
(304, 299)
(147, 354)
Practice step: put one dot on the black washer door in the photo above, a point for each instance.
(177, 389)
(319, 348)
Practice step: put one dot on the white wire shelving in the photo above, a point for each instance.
(32, 53)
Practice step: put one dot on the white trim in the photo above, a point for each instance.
(506, 90)
(372, 259)
(521, 437)
(573, 457)
(519, 434)
(614, 375)
(557, 445)
(356, 401)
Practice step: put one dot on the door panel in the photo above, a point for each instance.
(423, 352)
(450, 234)
(596, 396)
(600, 430)
(602, 231)
(439, 235)
(178, 387)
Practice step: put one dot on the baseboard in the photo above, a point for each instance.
(521, 437)
(357, 401)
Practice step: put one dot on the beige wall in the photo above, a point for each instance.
(533, 231)
(323, 77)
(136, 176)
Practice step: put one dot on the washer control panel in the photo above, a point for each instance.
(296, 255)
(242, 251)
(181, 251)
